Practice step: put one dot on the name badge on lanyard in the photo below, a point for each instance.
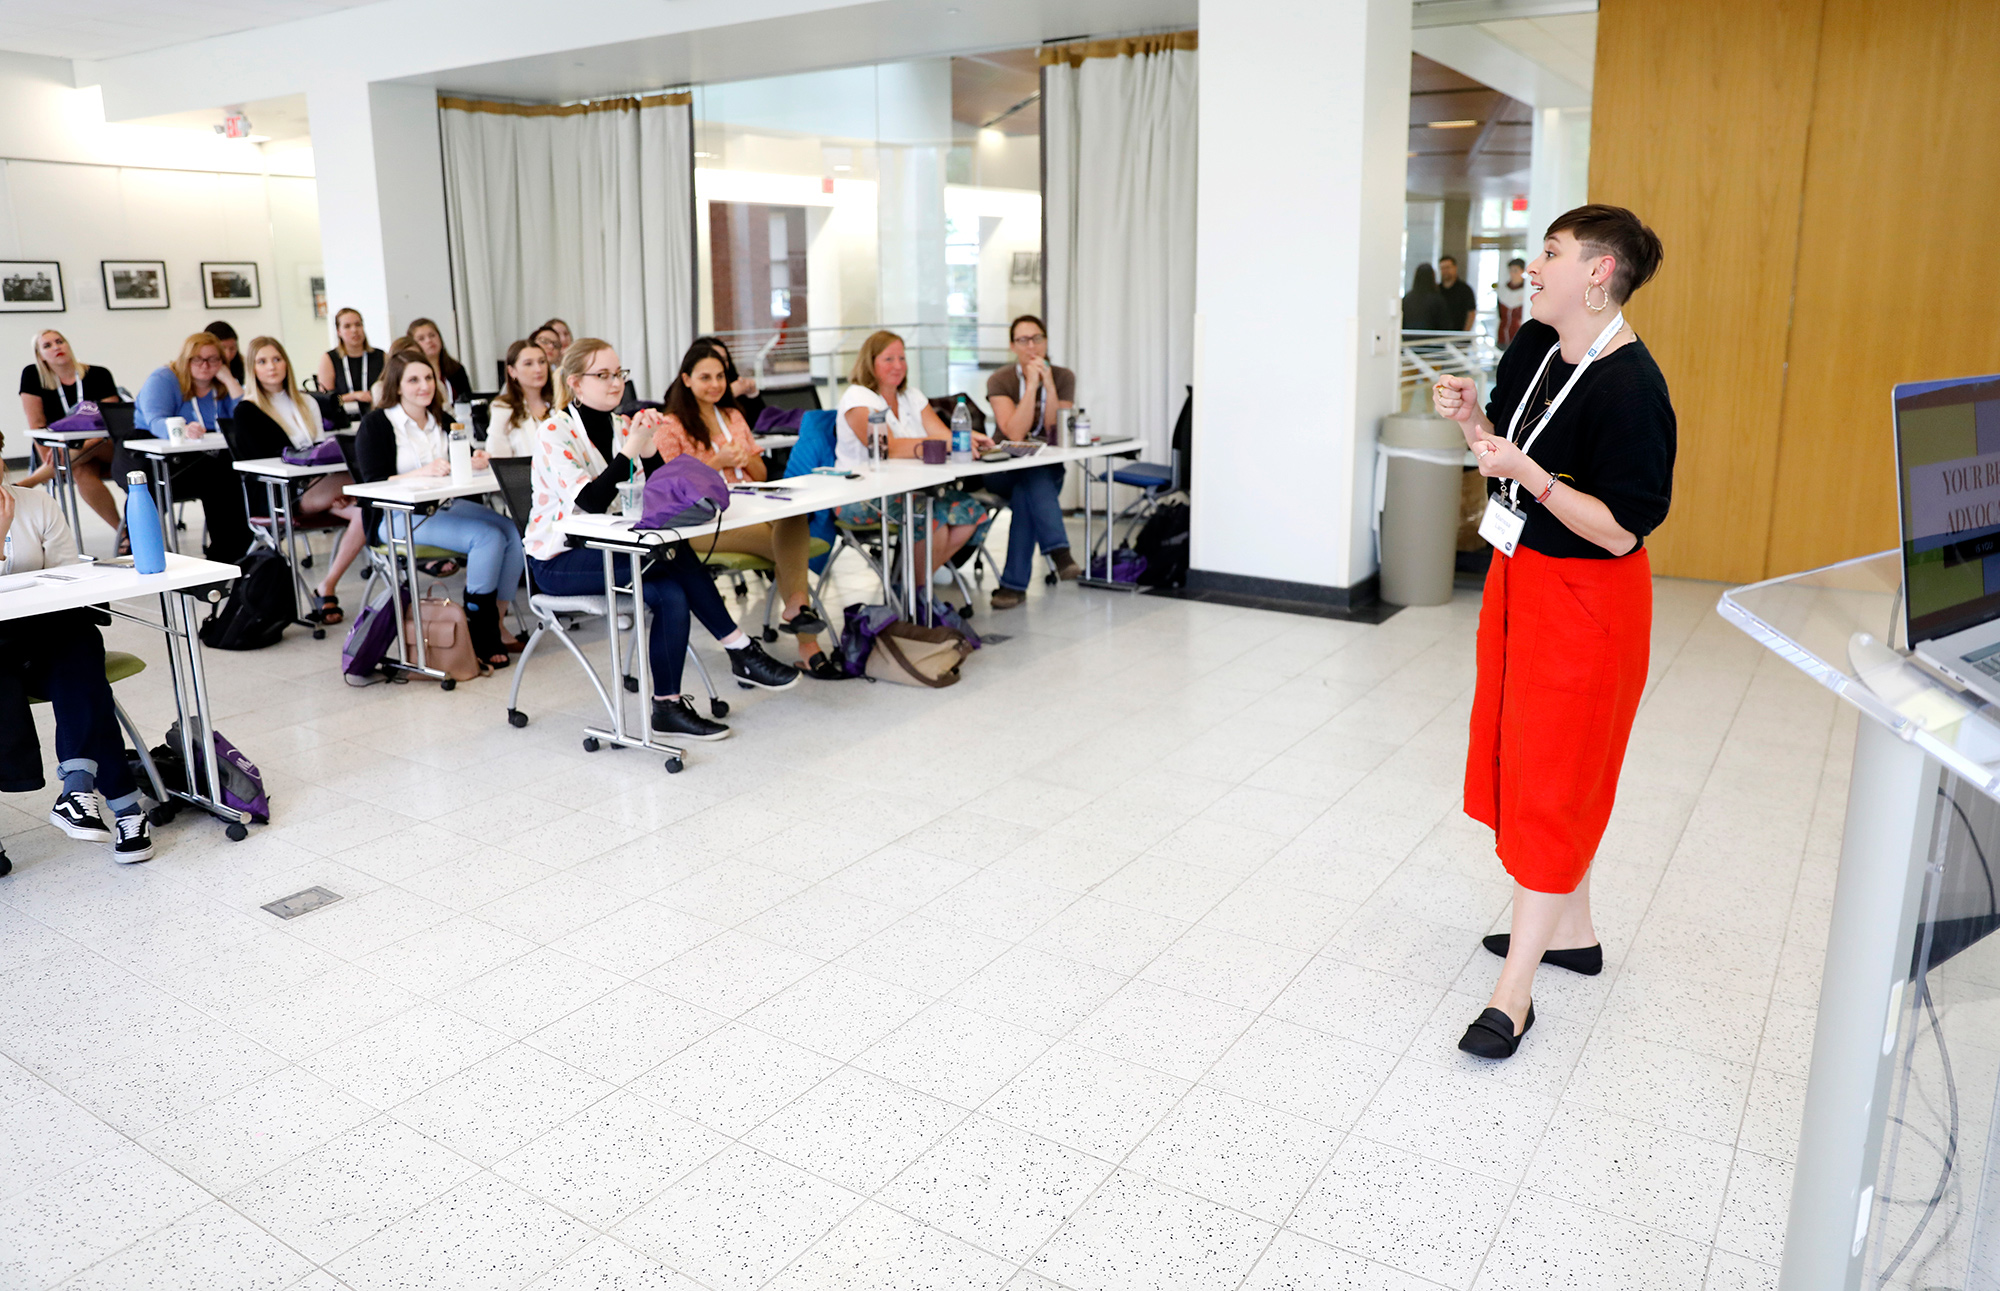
(1504, 520)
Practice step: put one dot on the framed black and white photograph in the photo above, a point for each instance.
(1027, 267)
(135, 284)
(31, 287)
(230, 284)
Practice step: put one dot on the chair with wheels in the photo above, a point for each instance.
(740, 563)
(557, 614)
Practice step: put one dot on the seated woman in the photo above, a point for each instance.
(696, 424)
(60, 657)
(351, 368)
(450, 371)
(881, 373)
(581, 454)
(275, 416)
(232, 357)
(51, 388)
(517, 413)
(563, 338)
(1027, 400)
(197, 388)
(743, 395)
(409, 438)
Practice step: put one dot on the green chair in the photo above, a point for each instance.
(117, 667)
(739, 563)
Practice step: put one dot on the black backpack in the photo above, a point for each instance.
(1163, 541)
(258, 608)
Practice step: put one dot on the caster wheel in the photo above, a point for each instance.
(1049, 580)
(160, 815)
(590, 744)
(319, 634)
(237, 832)
(631, 685)
(675, 766)
(770, 635)
(965, 610)
(516, 718)
(448, 684)
(718, 708)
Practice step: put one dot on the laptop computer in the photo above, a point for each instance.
(1948, 493)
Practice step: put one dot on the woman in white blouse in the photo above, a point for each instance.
(518, 412)
(274, 416)
(881, 374)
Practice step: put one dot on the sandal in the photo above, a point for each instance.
(821, 668)
(437, 568)
(329, 611)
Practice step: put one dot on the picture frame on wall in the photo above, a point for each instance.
(135, 284)
(230, 284)
(31, 287)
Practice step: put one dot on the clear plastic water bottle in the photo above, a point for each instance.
(878, 436)
(1080, 428)
(961, 432)
(142, 526)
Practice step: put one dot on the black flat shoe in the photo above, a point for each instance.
(805, 623)
(1491, 1034)
(1588, 960)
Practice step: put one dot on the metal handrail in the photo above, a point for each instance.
(782, 355)
(1427, 355)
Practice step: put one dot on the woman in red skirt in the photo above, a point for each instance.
(1578, 443)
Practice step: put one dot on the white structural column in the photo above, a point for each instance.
(1304, 131)
(1559, 168)
(913, 133)
(381, 204)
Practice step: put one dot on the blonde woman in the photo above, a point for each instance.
(197, 388)
(276, 415)
(51, 388)
(529, 400)
(351, 368)
(881, 383)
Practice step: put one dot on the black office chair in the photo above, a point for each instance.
(800, 396)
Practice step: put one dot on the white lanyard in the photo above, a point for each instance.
(194, 401)
(61, 398)
(1041, 396)
(354, 382)
(1542, 422)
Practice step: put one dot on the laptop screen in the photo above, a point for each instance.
(1948, 481)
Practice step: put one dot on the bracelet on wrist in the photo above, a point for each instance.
(1543, 498)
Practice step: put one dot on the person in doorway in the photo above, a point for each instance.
(197, 388)
(232, 356)
(454, 386)
(1582, 472)
(276, 415)
(51, 388)
(406, 438)
(581, 455)
(1424, 309)
(1461, 302)
(60, 657)
(1513, 295)
(1027, 401)
(517, 412)
(351, 368)
(880, 382)
(698, 425)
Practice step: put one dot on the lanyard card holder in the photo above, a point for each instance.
(1502, 525)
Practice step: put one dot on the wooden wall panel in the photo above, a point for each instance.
(1699, 124)
(1901, 192)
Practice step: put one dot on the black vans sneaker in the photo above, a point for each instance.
(134, 842)
(753, 667)
(81, 816)
(676, 717)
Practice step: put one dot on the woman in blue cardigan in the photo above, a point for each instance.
(198, 388)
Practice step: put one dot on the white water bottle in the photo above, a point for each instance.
(461, 455)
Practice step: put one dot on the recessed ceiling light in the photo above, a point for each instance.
(843, 168)
(1450, 125)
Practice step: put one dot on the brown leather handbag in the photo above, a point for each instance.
(447, 640)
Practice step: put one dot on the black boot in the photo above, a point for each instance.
(482, 622)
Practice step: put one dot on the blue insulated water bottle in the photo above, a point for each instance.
(142, 526)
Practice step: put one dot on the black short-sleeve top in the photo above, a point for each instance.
(1613, 438)
(356, 371)
(97, 383)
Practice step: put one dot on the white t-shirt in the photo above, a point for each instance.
(417, 446)
(906, 421)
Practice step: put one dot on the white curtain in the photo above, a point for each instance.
(583, 213)
(1119, 201)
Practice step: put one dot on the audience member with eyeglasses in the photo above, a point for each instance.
(1027, 401)
(197, 388)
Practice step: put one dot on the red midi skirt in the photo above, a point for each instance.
(1563, 646)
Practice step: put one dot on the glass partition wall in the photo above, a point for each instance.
(902, 195)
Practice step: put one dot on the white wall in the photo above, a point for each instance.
(1303, 144)
(1559, 168)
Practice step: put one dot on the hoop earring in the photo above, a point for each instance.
(1597, 309)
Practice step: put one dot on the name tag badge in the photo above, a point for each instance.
(1502, 525)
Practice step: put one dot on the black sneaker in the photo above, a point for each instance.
(81, 816)
(678, 718)
(134, 842)
(753, 667)
(805, 622)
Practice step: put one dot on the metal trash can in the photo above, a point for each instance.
(1419, 464)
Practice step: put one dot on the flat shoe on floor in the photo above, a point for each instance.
(1588, 960)
(1491, 1034)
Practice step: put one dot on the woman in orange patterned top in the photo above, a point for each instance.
(700, 424)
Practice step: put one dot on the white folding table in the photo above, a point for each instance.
(186, 583)
(62, 444)
(162, 452)
(283, 481)
(404, 499)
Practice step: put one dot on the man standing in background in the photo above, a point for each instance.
(1513, 295)
(1458, 294)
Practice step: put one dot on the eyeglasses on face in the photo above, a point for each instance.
(620, 376)
(209, 360)
(1032, 338)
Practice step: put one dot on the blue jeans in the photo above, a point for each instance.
(676, 584)
(491, 544)
(1035, 494)
(62, 660)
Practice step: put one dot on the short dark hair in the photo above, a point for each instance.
(1517, 263)
(1025, 318)
(1616, 232)
(220, 330)
(1453, 259)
